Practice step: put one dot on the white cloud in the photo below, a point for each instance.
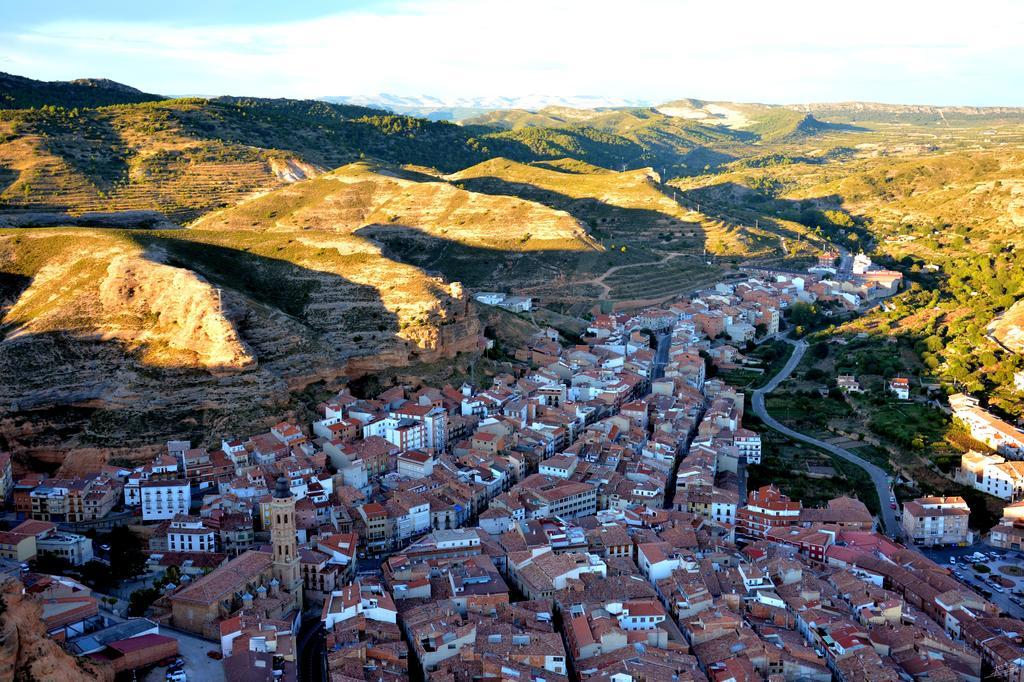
(657, 49)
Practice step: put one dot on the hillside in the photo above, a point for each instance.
(187, 157)
(184, 158)
(677, 127)
(945, 214)
(121, 338)
(17, 92)
(628, 208)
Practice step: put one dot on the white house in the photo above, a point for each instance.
(657, 560)
(407, 434)
(992, 474)
(517, 304)
(353, 600)
(162, 500)
(643, 614)
(560, 466)
(414, 520)
(900, 387)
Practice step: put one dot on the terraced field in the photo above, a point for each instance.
(135, 160)
(671, 277)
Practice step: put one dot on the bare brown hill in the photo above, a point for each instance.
(117, 339)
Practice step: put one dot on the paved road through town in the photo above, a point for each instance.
(879, 476)
(661, 355)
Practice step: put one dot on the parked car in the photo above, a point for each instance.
(996, 587)
(952, 560)
(214, 654)
(105, 548)
(177, 676)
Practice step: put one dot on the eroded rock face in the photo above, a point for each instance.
(109, 349)
(26, 653)
(1008, 328)
(172, 312)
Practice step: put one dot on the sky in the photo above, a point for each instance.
(789, 51)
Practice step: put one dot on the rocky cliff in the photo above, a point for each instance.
(26, 653)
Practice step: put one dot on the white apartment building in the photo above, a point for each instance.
(162, 500)
(434, 421)
(749, 444)
(189, 534)
(415, 464)
(165, 466)
(992, 474)
(986, 427)
(407, 434)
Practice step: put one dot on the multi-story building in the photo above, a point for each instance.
(375, 526)
(73, 548)
(1009, 532)
(992, 474)
(164, 467)
(749, 445)
(987, 428)
(402, 432)
(73, 500)
(235, 533)
(163, 500)
(766, 508)
(937, 521)
(543, 496)
(434, 420)
(415, 464)
(190, 534)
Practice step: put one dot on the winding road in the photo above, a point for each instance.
(878, 475)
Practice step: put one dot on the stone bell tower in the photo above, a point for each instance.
(283, 540)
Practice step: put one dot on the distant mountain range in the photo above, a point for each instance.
(459, 108)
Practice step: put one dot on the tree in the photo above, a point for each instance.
(127, 559)
(141, 600)
(803, 314)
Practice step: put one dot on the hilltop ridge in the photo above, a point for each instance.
(18, 92)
